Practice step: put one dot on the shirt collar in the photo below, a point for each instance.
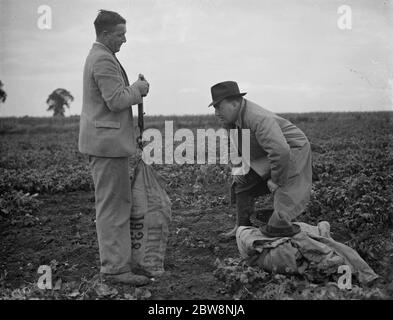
(104, 46)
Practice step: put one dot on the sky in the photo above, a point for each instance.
(288, 55)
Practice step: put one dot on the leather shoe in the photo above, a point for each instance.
(141, 271)
(128, 278)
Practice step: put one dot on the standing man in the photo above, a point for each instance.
(107, 136)
(280, 161)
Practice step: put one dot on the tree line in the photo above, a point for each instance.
(57, 100)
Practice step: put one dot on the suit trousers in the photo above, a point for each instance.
(112, 188)
(246, 189)
(291, 199)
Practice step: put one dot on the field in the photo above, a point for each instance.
(47, 213)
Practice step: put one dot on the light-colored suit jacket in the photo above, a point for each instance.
(106, 123)
(271, 140)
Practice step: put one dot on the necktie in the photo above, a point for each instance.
(239, 130)
(239, 141)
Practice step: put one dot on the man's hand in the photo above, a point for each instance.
(272, 186)
(142, 85)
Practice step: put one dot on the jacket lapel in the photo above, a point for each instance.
(123, 72)
(239, 127)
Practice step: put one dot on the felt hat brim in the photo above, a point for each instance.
(226, 97)
(280, 232)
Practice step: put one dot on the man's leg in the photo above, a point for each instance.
(246, 188)
(291, 199)
(113, 210)
(245, 203)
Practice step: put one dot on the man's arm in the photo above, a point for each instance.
(269, 135)
(117, 96)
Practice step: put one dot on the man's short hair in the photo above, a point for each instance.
(107, 20)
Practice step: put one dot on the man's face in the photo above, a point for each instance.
(227, 111)
(115, 38)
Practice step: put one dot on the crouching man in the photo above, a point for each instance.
(280, 161)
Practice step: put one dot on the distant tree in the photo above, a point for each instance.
(3, 94)
(57, 100)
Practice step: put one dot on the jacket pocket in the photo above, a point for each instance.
(107, 124)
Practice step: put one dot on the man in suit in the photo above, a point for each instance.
(107, 136)
(279, 161)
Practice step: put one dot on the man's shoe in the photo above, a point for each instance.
(141, 271)
(228, 235)
(128, 278)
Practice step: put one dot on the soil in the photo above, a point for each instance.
(65, 233)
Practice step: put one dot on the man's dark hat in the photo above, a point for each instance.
(281, 229)
(224, 90)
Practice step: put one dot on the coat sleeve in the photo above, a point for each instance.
(117, 96)
(270, 137)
